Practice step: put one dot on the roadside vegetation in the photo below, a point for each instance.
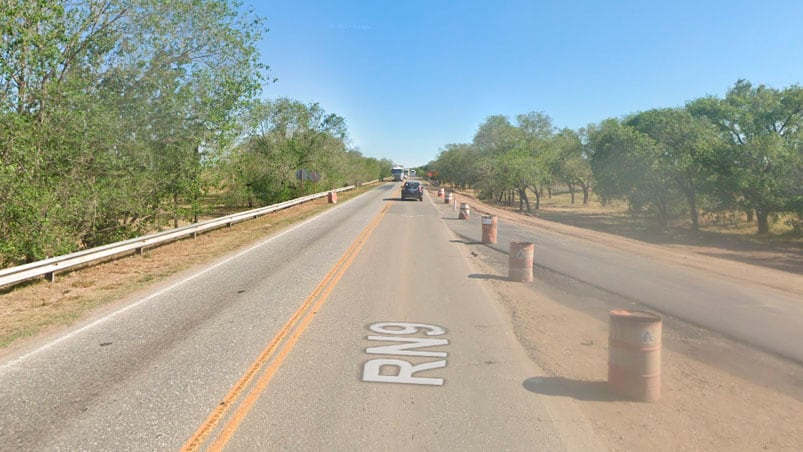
(741, 155)
(121, 116)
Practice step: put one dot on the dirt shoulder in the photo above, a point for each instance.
(705, 403)
(716, 394)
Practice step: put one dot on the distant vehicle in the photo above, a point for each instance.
(398, 173)
(412, 189)
(412, 173)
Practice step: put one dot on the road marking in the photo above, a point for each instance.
(404, 370)
(412, 342)
(297, 324)
(372, 372)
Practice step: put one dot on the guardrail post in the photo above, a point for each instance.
(50, 276)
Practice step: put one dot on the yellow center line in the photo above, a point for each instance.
(301, 318)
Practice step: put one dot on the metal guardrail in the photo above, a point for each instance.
(49, 267)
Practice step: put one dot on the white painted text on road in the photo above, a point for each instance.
(399, 370)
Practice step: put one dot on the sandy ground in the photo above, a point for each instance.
(716, 394)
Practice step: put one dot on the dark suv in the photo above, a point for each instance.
(412, 189)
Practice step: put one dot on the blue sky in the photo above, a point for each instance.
(412, 76)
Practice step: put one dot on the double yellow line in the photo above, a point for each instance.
(284, 341)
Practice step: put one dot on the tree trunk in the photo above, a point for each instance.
(537, 199)
(175, 210)
(663, 211)
(586, 196)
(571, 190)
(523, 199)
(549, 192)
(695, 220)
(763, 221)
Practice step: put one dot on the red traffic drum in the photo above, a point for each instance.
(520, 262)
(634, 354)
(464, 211)
(447, 198)
(489, 229)
(441, 192)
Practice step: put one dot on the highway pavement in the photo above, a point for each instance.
(360, 329)
(364, 328)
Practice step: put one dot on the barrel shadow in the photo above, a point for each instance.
(488, 277)
(466, 242)
(595, 391)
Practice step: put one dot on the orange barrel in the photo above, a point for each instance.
(441, 192)
(447, 198)
(634, 354)
(520, 267)
(464, 211)
(489, 229)
(332, 197)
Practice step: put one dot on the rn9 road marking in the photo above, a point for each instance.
(405, 370)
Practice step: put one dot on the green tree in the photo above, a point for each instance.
(542, 161)
(573, 166)
(686, 155)
(625, 165)
(759, 168)
(281, 137)
(111, 106)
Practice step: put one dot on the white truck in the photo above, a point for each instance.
(398, 173)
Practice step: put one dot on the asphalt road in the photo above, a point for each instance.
(364, 328)
(359, 329)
